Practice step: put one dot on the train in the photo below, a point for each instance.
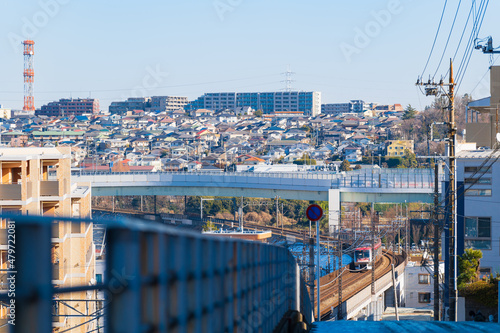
(363, 255)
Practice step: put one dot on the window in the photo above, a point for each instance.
(98, 278)
(476, 169)
(424, 279)
(481, 193)
(478, 233)
(424, 297)
(478, 181)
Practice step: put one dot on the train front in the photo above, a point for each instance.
(362, 258)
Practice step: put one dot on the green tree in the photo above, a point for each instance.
(409, 112)
(258, 113)
(345, 166)
(468, 266)
(357, 167)
(409, 160)
(394, 162)
(210, 226)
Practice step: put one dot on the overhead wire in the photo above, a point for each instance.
(461, 75)
(448, 39)
(470, 42)
(435, 38)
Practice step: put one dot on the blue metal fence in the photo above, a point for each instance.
(161, 279)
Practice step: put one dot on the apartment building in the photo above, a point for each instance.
(131, 104)
(5, 113)
(397, 148)
(168, 103)
(478, 215)
(69, 107)
(300, 101)
(335, 108)
(37, 181)
(354, 106)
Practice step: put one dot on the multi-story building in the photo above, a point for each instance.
(354, 106)
(398, 147)
(168, 103)
(478, 215)
(131, 104)
(335, 108)
(419, 285)
(477, 182)
(69, 107)
(37, 181)
(307, 102)
(5, 113)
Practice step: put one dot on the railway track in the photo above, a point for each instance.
(353, 281)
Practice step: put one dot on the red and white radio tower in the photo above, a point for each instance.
(29, 75)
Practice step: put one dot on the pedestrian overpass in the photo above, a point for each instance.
(368, 185)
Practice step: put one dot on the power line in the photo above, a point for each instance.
(462, 75)
(435, 38)
(468, 47)
(448, 40)
(159, 87)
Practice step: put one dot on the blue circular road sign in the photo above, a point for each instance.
(314, 212)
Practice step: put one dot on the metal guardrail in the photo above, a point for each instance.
(161, 279)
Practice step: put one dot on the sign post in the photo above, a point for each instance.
(315, 213)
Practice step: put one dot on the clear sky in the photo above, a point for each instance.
(366, 49)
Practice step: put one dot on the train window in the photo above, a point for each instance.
(424, 297)
(424, 279)
(362, 254)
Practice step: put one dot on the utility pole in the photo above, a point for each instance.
(373, 251)
(452, 228)
(277, 211)
(432, 89)
(240, 214)
(311, 271)
(340, 315)
(436, 245)
(407, 233)
(282, 219)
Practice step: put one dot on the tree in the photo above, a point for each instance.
(468, 266)
(394, 162)
(258, 113)
(345, 166)
(409, 160)
(357, 167)
(409, 112)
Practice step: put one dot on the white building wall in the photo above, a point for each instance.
(484, 206)
(413, 287)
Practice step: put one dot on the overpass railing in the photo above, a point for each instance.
(363, 178)
(387, 178)
(157, 279)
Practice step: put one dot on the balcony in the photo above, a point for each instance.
(10, 192)
(49, 188)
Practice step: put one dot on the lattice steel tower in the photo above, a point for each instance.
(29, 75)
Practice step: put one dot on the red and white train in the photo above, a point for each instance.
(363, 255)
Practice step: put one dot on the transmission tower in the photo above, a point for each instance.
(29, 75)
(288, 79)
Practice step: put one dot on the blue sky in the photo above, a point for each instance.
(111, 50)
